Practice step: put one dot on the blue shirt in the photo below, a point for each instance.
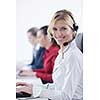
(37, 61)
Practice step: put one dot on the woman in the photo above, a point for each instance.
(49, 57)
(67, 73)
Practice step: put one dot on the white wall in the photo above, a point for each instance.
(31, 13)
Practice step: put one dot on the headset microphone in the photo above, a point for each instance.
(66, 43)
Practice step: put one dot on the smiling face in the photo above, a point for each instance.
(62, 32)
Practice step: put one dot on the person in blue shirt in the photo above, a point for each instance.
(37, 62)
(38, 51)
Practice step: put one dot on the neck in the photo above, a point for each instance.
(62, 47)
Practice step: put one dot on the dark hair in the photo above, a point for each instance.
(44, 31)
(33, 30)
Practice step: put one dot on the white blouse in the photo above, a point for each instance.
(67, 77)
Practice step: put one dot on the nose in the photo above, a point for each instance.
(58, 33)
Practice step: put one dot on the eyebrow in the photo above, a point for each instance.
(54, 28)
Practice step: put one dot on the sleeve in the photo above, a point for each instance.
(37, 89)
(45, 75)
(71, 81)
(39, 70)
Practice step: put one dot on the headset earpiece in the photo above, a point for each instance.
(75, 27)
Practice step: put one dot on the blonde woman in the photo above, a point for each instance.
(68, 71)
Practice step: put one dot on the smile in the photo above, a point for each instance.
(59, 39)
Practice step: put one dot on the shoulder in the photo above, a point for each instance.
(55, 48)
(41, 49)
(74, 55)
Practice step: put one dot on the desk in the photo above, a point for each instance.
(33, 99)
(33, 80)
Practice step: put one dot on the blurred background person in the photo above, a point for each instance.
(38, 51)
(49, 57)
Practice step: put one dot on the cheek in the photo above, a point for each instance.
(33, 40)
(54, 35)
(41, 41)
(69, 35)
(30, 40)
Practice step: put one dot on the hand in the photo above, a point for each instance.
(27, 89)
(21, 84)
(27, 73)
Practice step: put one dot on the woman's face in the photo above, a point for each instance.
(62, 32)
(32, 39)
(41, 38)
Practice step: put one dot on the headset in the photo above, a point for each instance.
(75, 26)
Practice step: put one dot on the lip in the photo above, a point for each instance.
(61, 38)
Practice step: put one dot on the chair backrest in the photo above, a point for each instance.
(79, 41)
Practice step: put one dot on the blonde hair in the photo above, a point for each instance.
(64, 15)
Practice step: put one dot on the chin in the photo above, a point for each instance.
(41, 45)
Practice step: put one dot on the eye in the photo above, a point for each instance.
(63, 29)
(54, 29)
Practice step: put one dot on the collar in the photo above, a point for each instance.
(66, 48)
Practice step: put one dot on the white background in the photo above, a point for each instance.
(30, 13)
(91, 29)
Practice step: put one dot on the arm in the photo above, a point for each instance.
(47, 74)
(39, 70)
(71, 81)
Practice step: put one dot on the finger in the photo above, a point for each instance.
(27, 89)
(20, 83)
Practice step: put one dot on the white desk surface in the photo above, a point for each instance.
(33, 99)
